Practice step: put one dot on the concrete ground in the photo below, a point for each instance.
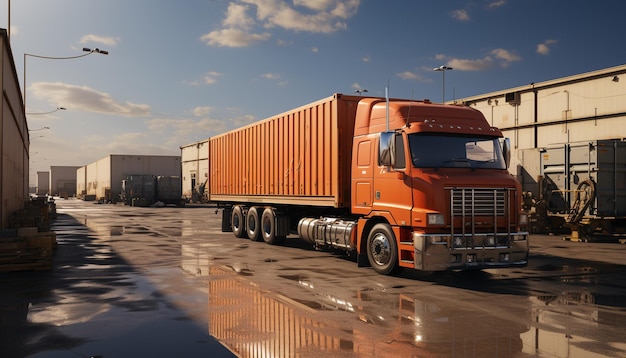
(166, 282)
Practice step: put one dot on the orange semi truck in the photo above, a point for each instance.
(398, 183)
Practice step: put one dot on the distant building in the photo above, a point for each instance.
(102, 179)
(195, 170)
(43, 183)
(63, 180)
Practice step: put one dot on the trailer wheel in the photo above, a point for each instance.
(253, 226)
(238, 222)
(382, 250)
(269, 229)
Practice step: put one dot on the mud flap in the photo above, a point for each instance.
(362, 260)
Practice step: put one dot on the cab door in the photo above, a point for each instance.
(391, 183)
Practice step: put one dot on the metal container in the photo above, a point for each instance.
(139, 190)
(300, 156)
(567, 169)
(168, 189)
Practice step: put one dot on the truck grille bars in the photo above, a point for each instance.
(480, 217)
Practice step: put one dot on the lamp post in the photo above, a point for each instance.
(37, 113)
(85, 49)
(443, 70)
(360, 91)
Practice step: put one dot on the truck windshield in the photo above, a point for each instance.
(455, 151)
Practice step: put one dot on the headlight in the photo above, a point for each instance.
(435, 219)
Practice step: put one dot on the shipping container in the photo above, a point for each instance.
(303, 154)
(139, 190)
(168, 190)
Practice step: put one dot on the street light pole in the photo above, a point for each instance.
(85, 49)
(37, 113)
(443, 70)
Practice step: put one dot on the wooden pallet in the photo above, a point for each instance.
(32, 250)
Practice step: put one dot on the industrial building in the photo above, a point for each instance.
(43, 183)
(195, 170)
(102, 179)
(585, 107)
(63, 180)
(14, 138)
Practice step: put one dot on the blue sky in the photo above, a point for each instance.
(181, 71)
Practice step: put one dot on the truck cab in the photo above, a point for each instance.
(431, 187)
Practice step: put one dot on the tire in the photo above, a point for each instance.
(253, 224)
(269, 228)
(382, 249)
(238, 222)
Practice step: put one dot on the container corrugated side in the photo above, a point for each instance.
(301, 156)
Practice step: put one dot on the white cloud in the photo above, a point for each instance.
(233, 38)
(470, 65)
(211, 77)
(271, 76)
(86, 99)
(202, 111)
(460, 15)
(496, 4)
(236, 16)
(407, 75)
(506, 55)
(412, 76)
(498, 57)
(544, 48)
(314, 16)
(109, 41)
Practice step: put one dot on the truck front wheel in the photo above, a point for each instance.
(382, 250)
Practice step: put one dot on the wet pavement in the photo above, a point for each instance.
(166, 282)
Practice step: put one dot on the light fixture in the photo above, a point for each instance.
(360, 91)
(615, 79)
(443, 69)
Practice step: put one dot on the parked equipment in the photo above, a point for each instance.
(582, 189)
(398, 183)
(146, 190)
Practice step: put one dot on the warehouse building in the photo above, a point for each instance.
(14, 138)
(63, 180)
(195, 170)
(102, 179)
(581, 108)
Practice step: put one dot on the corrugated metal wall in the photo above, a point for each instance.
(301, 153)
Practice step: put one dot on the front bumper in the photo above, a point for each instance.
(443, 252)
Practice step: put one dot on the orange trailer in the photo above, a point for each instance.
(399, 183)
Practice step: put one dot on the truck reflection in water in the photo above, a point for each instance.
(255, 323)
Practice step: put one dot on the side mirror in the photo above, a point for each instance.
(506, 151)
(387, 149)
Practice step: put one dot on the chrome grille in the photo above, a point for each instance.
(478, 202)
